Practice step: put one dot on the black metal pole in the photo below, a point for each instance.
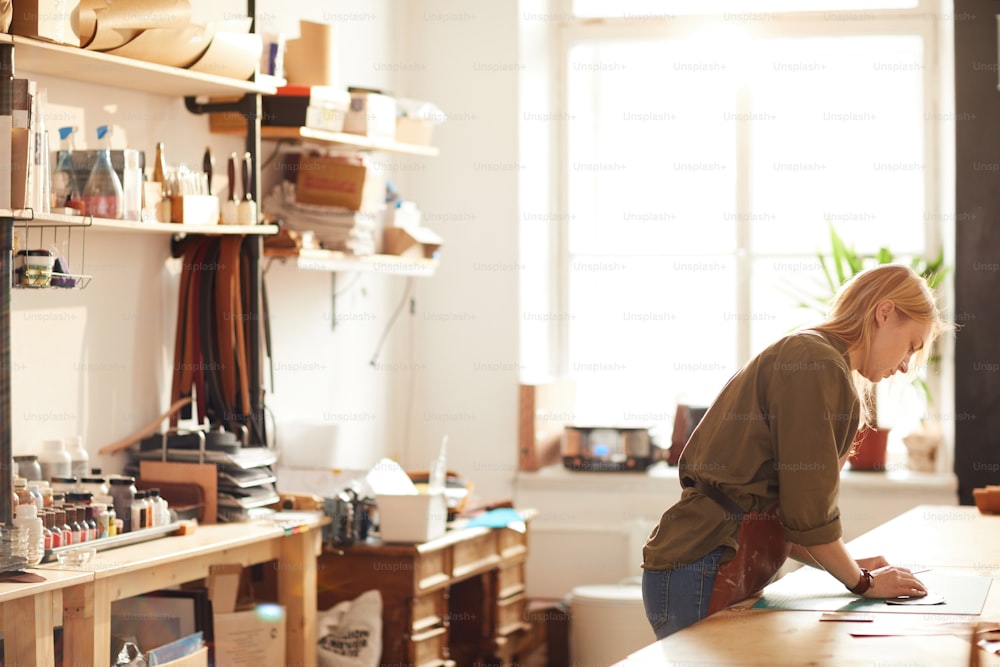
(6, 264)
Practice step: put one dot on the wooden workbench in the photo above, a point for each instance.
(80, 597)
(951, 538)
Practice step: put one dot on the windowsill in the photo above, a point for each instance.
(559, 478)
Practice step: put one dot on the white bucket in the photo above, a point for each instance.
(607, 623)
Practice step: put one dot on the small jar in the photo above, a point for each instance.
(122, 494)
(28, 467)
(95, 484)
(80, 498)
(66, 484)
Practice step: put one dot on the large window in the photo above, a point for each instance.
(704, 158)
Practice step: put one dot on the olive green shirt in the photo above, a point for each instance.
(775, 434)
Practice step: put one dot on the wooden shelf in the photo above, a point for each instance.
(27, 219)
(355, 141)
(32, 55)
(331, 260)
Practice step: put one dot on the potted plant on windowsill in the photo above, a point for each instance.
(841, 264)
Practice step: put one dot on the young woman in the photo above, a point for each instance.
(761, 471)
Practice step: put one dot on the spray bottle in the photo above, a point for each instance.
(64, 188)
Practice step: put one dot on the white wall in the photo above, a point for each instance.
(97, 362)
(465, 58)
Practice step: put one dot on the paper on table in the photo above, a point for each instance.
(814, 590)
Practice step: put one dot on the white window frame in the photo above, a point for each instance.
(929, 20)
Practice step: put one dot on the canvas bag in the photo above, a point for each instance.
(350, 632)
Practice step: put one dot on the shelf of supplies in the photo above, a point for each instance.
(332, 260)
(27, 219)
(355, 141)
(40, 57)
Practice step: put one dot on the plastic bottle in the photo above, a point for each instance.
(63, 185)
(102, 196)
(102, 516)
(26, 518)
(161, 511)
(132, 186)
(79, 459)
(54, 460)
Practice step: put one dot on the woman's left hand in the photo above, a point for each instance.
(872, 563)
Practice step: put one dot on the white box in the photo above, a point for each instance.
(371, 115)
(417, 517)
(251, 638)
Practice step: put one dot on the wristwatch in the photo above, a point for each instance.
(864, 583)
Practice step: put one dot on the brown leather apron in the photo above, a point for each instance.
(760, 553)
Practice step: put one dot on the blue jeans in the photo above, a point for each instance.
(675, 599)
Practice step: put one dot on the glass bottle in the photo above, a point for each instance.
(123, 493)
(102, 196)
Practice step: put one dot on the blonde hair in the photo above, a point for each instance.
(852, 317)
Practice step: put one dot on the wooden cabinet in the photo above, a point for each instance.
(459, 599)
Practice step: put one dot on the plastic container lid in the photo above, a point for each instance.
(613, 594)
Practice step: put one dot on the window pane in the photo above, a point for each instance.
(646, 331)
(651, 154)
(837, 134)
(645, 9)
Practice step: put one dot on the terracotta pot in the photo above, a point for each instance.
(868, 450)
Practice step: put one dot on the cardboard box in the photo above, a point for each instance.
(544, 410)
(51, 20)
(330, 182)
(244, 636)
(372, 115)
(250, 638)
(415, 131)
(417, 517)
(411, 242)
(195, 209)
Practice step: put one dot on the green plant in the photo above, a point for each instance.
(843, 262)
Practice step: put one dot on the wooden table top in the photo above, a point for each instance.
(952, 538)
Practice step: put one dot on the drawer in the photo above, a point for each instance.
(429, 647)
(478, 554)
(428, 610)
(432, 570)
(512, 542)
(510, 615)
(510, 580)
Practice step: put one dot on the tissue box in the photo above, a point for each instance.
(417, 517)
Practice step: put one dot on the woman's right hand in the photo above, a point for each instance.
(895, 582)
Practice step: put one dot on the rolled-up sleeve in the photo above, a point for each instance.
(813, 412)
